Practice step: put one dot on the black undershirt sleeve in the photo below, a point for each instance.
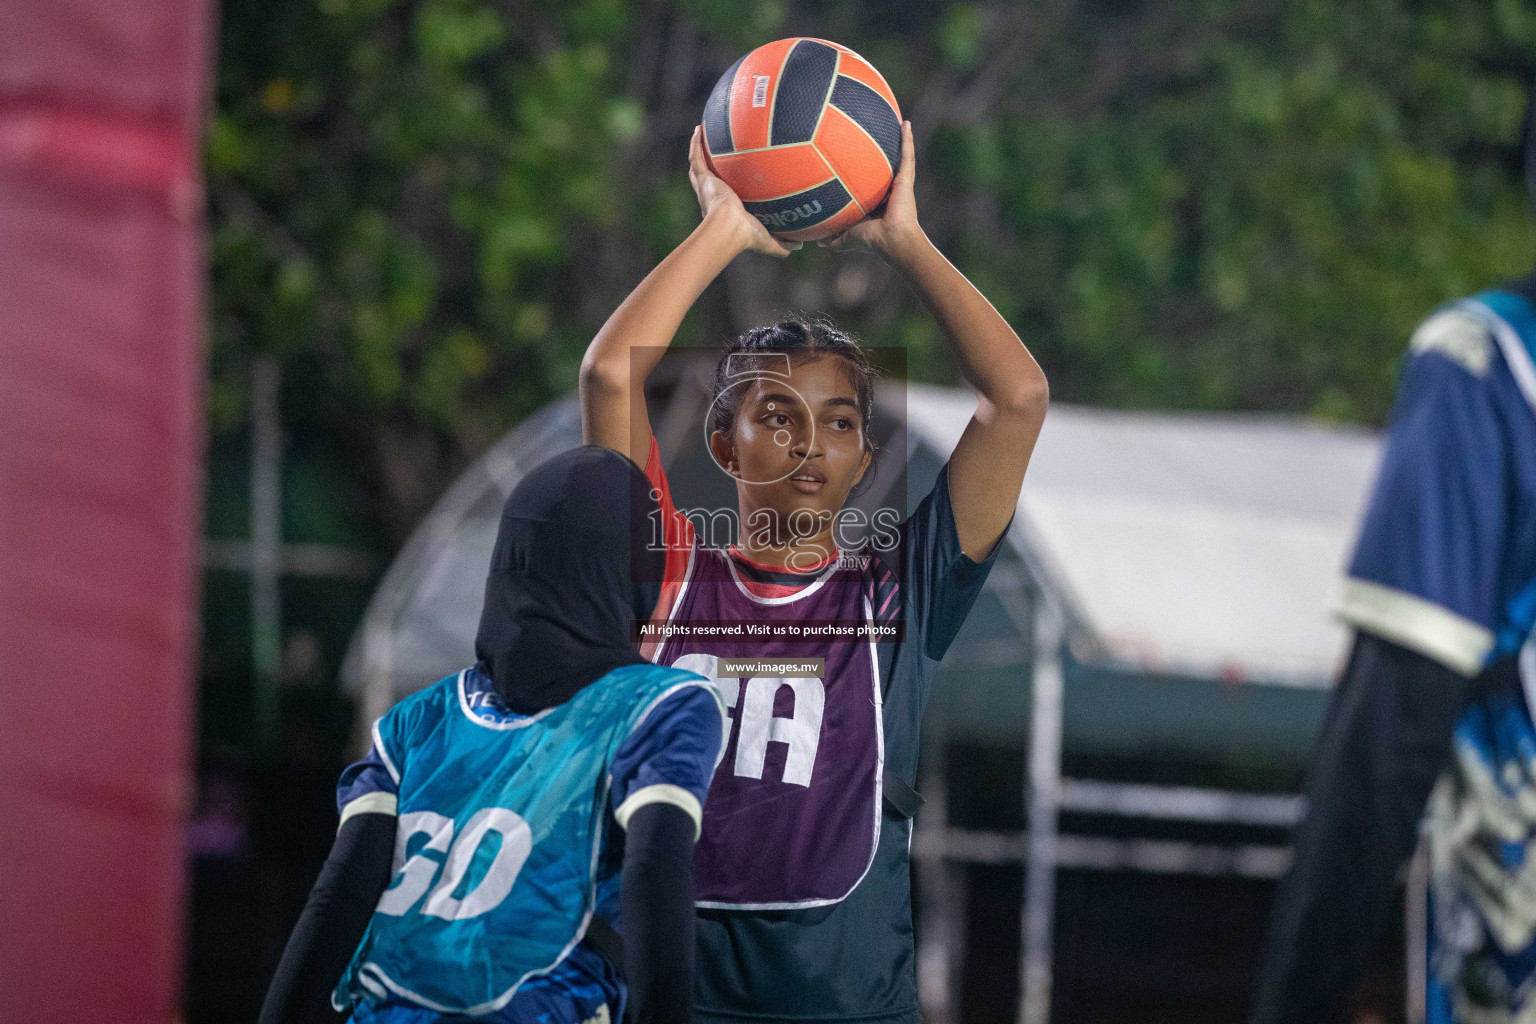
(1385, 740)
(656, 906)
(332, 924)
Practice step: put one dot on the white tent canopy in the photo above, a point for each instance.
(1205, 545)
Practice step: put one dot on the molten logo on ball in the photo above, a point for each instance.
(799, 213)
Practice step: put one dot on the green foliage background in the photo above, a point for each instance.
(425, 208)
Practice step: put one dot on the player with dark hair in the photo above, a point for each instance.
(476, 874)
(1442, 594)
(802, 871)
(760, 351)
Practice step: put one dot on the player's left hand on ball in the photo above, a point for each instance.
(895, 225)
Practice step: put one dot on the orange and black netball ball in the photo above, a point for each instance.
(807, 133)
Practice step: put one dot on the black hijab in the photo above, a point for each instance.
(572, 569)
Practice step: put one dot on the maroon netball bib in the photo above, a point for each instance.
(793, 814)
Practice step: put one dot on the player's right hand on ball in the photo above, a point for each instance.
(716, 199)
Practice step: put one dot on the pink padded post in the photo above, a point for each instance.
(101, 381)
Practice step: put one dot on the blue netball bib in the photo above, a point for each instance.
(1465, 446)
(501, 819)
(1446, 558)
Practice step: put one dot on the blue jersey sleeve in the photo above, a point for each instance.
(670, 757)
(369, 786)
(1431, 566)
(372, 785)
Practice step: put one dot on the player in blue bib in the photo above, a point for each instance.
(1438, 692)
(476, 873)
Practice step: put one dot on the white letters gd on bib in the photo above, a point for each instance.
(414, 875)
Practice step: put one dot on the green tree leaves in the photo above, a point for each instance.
(428, 206)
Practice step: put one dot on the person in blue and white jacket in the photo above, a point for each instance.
(476, 873)
(1438, 691)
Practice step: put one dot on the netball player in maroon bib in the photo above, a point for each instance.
(801, 871)
(793, 813)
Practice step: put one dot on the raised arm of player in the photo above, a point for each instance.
(633, 340)
(986, 470)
